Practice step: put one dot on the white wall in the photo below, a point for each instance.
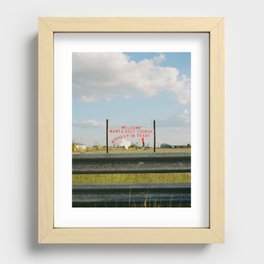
(244, 133)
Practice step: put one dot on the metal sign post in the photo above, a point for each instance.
(154, 135)
(106, 135)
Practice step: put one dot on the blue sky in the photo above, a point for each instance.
(131, 89)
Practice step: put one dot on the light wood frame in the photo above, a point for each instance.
(47, 233)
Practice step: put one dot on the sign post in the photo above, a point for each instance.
(106, 132)
(154, 135)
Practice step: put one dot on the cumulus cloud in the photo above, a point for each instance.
(89, 123)
(103, 76)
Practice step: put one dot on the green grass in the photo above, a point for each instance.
(130, 178)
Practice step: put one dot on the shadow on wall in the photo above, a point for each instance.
(31, 184)
(31, 187)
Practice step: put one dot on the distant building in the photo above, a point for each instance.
(78, 147)
(179, 146)
(165, 145)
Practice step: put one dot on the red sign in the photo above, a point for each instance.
(129, 132)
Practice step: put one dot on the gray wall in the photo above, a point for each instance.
(244, 133)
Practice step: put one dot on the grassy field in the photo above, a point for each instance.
(130, 178)
(134, 150)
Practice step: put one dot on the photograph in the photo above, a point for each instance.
(131, 129)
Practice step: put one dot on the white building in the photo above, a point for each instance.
(79, 146)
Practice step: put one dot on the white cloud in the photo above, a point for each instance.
(185, 117)
(89, 123)
(102, 76)
(158, 59)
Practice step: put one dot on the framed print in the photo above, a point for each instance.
(131, 130)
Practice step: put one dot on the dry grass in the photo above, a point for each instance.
(133, 150)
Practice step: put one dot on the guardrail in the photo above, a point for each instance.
(131, 163)
(132, 195)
